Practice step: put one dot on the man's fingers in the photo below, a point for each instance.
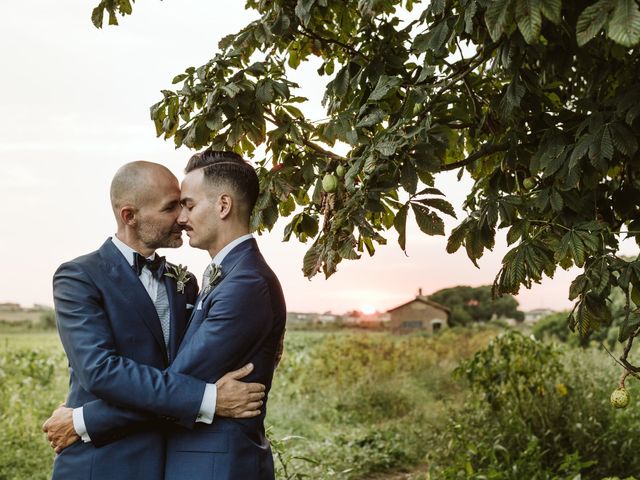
(241, 372)
(252, 397)
(254, 405)
(249, 414)
(255, 387)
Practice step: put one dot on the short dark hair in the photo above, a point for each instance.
(232, 170)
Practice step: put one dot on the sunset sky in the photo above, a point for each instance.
(75, 107)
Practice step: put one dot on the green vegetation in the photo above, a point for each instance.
(23, 320)
(539, 412)
(32, 383)
(476, 304)
(353, 405)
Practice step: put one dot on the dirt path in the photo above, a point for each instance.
(420, 473)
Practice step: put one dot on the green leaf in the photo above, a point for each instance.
(469, 14)
(592, 20)
(373, 118)
(427, 220)
(578, 286)
(409, 177)
(439, 204)
(624, 25)
(630, 324)
(512, 97)
(580, 150)
(348, 252)
(576, 247)
(457, 237)
(635, 295)
(179, 78)
(435, 39)
(385, 86)
(552, 10)
(97, 15)
(601, 149)
(497, 17)
(623, 138)
(340, 84)
(231, 89)
(386, 148)
(517, 230)
(264, 91)
(556, 201)
(400, 224)
(529, 19)
(312, 260)
(303, 10)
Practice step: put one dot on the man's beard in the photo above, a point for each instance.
(153, 238)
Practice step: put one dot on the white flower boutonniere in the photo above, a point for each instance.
(212, 275)
(181, 276)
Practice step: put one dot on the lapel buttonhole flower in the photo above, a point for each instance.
(181, 275)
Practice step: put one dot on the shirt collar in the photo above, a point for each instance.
(126, 250)
(228, 247)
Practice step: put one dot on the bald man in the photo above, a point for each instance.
(121, 314)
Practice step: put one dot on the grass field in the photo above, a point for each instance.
(355, 405)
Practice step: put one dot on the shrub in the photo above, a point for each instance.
(539, 413)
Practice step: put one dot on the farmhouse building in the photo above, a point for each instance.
(419, 314)
(532, 316)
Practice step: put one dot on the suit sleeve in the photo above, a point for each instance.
(86, 335)
(238, 318)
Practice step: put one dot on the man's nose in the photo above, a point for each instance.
(182, 217)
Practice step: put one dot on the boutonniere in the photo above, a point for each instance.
(214, 275)
(181, 276)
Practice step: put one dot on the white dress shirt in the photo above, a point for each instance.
(151, 284)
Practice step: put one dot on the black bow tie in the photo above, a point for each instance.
(155, 266)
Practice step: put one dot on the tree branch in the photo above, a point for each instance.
(311, 34)
(322, 151)
(483, 152)
(308, 143)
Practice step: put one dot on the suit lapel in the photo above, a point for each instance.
(228, 265)
(125, 280)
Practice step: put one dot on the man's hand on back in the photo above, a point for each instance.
(59, 429)
(237, 399)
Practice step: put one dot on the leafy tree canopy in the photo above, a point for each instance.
(476, 304)
(538, 100)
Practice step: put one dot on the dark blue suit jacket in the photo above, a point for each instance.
(112, 337)
(242, 320)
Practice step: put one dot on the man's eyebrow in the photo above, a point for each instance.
(185, 200)
(171, 204)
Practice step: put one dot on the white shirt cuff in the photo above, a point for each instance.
(78, 424)
(208, 406)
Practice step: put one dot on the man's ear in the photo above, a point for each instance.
(128, 215)
(225, 203)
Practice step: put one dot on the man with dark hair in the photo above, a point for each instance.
(239, 319)
(221, 167)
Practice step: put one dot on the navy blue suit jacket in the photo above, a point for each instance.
(241, 320)
(112, 337)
